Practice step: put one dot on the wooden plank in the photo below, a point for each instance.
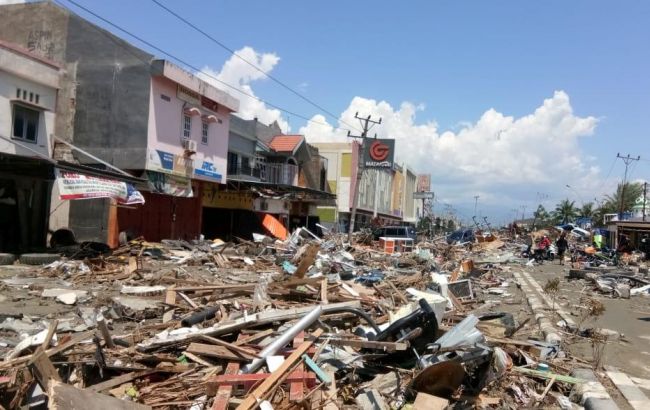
(64, 397)
(547, 375)
(188, 300)
(50, 334)
(116, 381)
(170, 298)
(197, 359)
(43, 369)
(397, 291)
(106, 334)
(265, 387)
(634, 396)
(224, 392)
(424, 401)
(368, 344)
(296, 393)
(323, 292)
(307, 260)
(230, 346)
(257, 336)
(218, 352)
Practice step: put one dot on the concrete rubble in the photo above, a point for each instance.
(304, 323)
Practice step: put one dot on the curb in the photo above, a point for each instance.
(591, 394)
(548, 330)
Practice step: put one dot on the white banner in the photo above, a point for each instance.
(78, 186)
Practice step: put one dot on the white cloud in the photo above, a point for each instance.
(497, 157)
(504, 159)
(3, 2)
(239, 74)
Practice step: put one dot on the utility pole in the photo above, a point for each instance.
(476, 197)
(645, 197)
(627, 161)
(367, 124)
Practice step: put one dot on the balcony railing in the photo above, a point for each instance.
(285, 174)
(243, 170)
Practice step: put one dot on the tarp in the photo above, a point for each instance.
(78, 186)
(275, 227)
(168, 184)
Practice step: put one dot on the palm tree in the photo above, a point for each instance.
(565, 211)
(587, 210)
(629, 192)
(541, 215)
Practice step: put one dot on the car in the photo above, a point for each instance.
(395, 232)
(461, 236)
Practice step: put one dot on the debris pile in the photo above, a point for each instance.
(304, 323)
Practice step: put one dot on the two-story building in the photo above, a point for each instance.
(29, 86)
(119, 106)
(270, 175)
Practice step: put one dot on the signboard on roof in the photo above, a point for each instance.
(379, 153)
(187, 95)
(424, 183)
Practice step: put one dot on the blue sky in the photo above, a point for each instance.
(454, 60)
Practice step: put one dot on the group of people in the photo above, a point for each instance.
(542, 248)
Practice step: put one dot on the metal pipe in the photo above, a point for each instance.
(281, 341)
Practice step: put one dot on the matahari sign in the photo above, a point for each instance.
(378, 153)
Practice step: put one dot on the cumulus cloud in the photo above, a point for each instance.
(239, 74)
(497, 156)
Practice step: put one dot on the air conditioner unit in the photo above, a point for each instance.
(189, 145)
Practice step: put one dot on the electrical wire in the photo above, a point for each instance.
(185, 63)
(253, 65)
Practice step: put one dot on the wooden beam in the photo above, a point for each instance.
(230, 346)
(307, 260)
(265, 387)
(257, 336)
(64, 396)
(43, 369)
(219, 352)
(116, 381)
(106, 334)
(188, 300)
(50, 334)
(170, 298)
(323, 292)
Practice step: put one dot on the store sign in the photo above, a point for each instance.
(208, 171)
(77, 186)
(422, 195)
(209, 104)
(213, 198)
(168, 163)
(169, 185)
(424, 183)
(379, 153)
(187, 95)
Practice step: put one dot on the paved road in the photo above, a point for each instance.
(631, 317)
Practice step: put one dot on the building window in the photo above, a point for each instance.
(187, 126)
(233, 160)
(204, 132)
(25, 122)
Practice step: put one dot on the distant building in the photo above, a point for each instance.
(385, 194)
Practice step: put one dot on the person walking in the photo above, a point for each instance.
(562, 245)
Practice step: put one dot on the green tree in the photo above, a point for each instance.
(541, 215)
(587, 210)
(565, 211)
(629, 193)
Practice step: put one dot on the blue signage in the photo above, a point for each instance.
(208, 170)
(166, 160)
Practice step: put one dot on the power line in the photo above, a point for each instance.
(627, 160)
(234, 53)
(160, 50)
